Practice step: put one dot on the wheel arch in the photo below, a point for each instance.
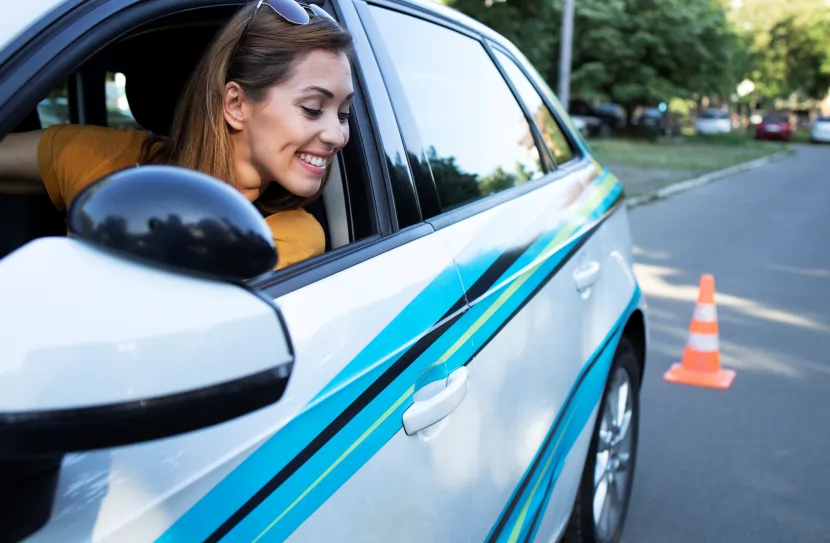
(635, 332)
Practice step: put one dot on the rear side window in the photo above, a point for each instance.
(477, 138)
(551, 131)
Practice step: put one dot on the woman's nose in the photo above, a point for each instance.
(334, 132)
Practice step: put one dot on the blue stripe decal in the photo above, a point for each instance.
(539, 480)
(357, 441)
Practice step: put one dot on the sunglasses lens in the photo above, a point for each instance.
(320, 12)
(289, 10)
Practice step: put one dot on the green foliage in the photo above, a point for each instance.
(627, 51)
(793, 57)
(638, 52)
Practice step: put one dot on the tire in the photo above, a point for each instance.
(582, 527)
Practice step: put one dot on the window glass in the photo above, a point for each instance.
(118, 109)
(54, 109)
(477, 138)
(551, 131)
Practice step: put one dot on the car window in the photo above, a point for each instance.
(775, 119)
(118, 108)
(345, 211)
(477, 138)
(824, 119)
(551, 131)
(54, 109)
(714, 114)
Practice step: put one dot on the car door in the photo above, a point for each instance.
(519, 202)
(370, 440)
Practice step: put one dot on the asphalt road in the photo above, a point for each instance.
(752, 463)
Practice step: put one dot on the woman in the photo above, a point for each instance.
(266, 110)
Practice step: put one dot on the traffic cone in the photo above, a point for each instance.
(701, 360)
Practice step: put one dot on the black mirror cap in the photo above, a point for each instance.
(175, 218)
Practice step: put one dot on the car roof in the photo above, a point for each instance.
(19, 16)
(435, 7)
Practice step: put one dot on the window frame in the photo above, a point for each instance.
(66, 38)
(411, 134)
(492, 48)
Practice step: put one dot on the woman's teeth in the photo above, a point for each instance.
(313, 160)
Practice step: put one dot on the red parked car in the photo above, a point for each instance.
(775, 126)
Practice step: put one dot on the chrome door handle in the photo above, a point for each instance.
(586, 276)
(425, 413)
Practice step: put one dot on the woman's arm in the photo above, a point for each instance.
(18, 157)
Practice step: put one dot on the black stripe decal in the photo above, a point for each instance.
(400, 365)
(501, 265)
(582, 240)
(483, 284)
(517, 496)
(537, 516)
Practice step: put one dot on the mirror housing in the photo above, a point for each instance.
(177, 218)
(108, 352)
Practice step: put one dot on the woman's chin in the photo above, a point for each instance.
(305, 189)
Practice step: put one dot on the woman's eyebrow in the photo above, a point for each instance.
(325, 92)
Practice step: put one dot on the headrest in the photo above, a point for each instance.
(153, 90)
(156, 69)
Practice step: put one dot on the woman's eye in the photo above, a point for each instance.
(314, 113)
(344, 117)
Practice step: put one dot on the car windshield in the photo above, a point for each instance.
(775, 119)
(714, 114)
(823, 119)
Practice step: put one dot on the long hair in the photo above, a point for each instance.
(200, 136)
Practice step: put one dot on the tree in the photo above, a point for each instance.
(629, 51)
(793, 58)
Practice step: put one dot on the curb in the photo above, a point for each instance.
(689, 184)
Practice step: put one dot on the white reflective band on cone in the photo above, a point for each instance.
(703, 342)
(706, 313)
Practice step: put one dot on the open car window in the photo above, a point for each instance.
(119, 88)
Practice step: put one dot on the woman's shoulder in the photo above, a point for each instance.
(297, 235)
(92, 133)
(294, 222)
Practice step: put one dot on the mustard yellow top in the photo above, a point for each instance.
(71, 157)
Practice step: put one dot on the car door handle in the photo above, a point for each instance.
(425, 413)
(586, 276)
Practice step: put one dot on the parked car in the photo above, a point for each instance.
(601, 120)
(774, 126)
(661, 122)
(713, 121)
(820, 129)
(463, 363)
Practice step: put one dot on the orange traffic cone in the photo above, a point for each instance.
(701, 360)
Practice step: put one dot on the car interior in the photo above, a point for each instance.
(153, 63)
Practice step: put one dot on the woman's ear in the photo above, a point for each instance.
(232, 105)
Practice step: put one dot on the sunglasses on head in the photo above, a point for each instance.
(298, 13)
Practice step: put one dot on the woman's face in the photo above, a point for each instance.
(292, 135)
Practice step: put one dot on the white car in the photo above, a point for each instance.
(713, 121)
(462, 364)
(820, 130)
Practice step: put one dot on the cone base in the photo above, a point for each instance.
(721, 378)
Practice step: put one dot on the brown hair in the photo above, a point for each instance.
(200, 137)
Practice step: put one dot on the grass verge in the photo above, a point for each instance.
(645, 167)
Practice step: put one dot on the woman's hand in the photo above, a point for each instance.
(19, 172)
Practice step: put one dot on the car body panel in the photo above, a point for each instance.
(820, 130)
(494, 293)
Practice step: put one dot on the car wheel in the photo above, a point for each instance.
(601, 503)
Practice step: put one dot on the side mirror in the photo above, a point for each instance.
(122, 332)
(177, 218)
